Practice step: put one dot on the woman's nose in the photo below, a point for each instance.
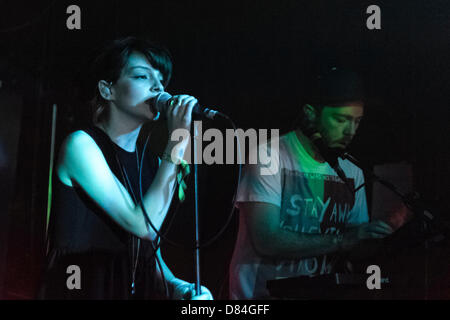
(157, 87)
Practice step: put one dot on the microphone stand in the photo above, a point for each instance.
(196, 216)
(430, 229)
(411, 200)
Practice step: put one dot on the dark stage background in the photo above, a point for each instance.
(251, 59)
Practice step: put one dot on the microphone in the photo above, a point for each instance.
(161, 102)
(331, 155)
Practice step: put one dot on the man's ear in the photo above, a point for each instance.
(105, 90)
(310, 112)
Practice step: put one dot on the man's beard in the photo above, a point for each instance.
(330, 154)
(331, 145)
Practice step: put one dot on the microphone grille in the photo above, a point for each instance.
(159, 101)
(162, 97)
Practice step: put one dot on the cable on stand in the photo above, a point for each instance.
(430, 228)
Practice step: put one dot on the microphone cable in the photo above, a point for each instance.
(160, 236)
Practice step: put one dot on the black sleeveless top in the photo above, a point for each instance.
(82, 234)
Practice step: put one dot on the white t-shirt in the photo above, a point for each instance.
(311, 198)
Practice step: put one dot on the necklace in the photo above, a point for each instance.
(128, 185)
(136, 258)
(134, 251)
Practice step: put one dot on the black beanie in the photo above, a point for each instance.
(334, 87)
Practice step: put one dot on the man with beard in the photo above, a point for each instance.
(299, 219)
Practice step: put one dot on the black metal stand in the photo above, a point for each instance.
(198, 288)
(428, 229)
(411, 200)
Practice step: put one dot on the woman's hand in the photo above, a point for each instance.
(183, 290)
(179, 112)
(179, 116)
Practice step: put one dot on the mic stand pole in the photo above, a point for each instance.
(411, 200)
(197, 237)
(415, 204)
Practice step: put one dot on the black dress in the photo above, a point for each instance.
(83, 235)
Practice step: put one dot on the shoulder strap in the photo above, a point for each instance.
(107, 147)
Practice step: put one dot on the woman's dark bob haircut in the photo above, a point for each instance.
(112, 58)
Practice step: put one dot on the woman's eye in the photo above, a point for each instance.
(141, 77)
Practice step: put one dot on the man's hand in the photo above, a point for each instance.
(373, 230)
(183, 290)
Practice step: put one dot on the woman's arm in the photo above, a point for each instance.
(82, 164)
